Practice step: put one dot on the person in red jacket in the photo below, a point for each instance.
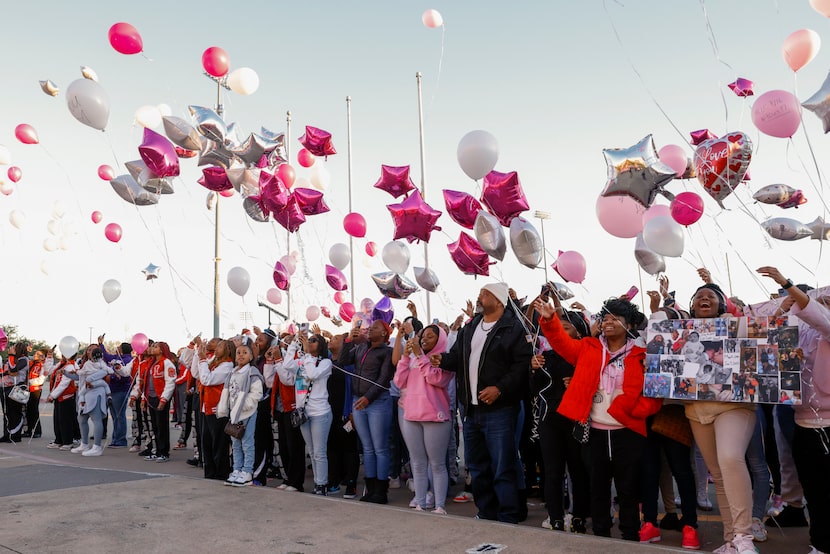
(606, 392)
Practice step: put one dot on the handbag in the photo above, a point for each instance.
(236, 430)
(20, 394)
(582, 431)
(671, 422)
(298, 417)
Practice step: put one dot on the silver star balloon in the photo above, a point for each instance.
(214, 153)
(182, 133)
(277, 155)
(232, 135)
(150, 181)
(427, 278)
(394, 285)
(128, 189)
(135, 168)
(785, 228)
(245, 180)
(208, 123)
(562, 291)
(151, 272)
(252, 149)
(819, 104)
(820, 229)
(637, 172)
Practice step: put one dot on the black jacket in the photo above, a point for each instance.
(504, 362)
(371, 363)
(549, 382)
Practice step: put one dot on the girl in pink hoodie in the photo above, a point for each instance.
(427, 419)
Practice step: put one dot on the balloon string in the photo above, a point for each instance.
(438, 78)
(71, 185)
(172, 281)
(714, 43)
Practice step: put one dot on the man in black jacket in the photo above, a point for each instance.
(491, 358)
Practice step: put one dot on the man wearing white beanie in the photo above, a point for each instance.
(491, 358)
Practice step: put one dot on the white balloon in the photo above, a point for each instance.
(164, 110)
(312, 313)
(239, 280)
(6, 188)
(54, 227)
(45, 266)
(432, 19)
(17, 219)
(302, 182)
(211, 199)
(274, 296)
(58, 210)
(50, 244)
(68, 346)
(339, 255)
(395, 256)
(478, 152)
(65, 242)
(243, 81)
(111, 290)
(5, 155)
(320, 177)
(664, 236)
(148, 116)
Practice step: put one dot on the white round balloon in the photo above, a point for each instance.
(320, 177)
(5, 156)
(339, 255)
(17, 219)
(243, 81)
(664, 236)
(478, 152)
(111, 290)
(239, 280)
(50, 244)
(68, 346)
(395, 256)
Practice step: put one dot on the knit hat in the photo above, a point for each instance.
(499, 290)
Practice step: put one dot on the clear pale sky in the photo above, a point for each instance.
(550, 80)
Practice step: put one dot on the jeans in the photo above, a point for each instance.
(758, 468)
(491, 456)
(791, 490)
(97, 424)
(243, 449)
(316, 435)
(398, 454)
(373, 424)
(427, 444)
(118, 410)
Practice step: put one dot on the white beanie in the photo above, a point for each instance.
(499, 290)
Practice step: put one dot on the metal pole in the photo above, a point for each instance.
(216, 258)
(288, 233)
(544, 249)
(423, 176)
(349, 150)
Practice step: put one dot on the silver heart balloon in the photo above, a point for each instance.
(525, 242)
(490, 235)
(426, 278)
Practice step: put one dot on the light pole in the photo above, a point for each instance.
(542, 216)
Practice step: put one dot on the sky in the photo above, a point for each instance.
(554, 82)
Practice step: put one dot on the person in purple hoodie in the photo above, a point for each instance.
(427, 418)
(120, 387)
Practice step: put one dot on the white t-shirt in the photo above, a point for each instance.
(476, 347)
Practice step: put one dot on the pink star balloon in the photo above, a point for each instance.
(414, 219)
(503, 196)
(742, 87)
(215, 178)
(311, 201)
(395, 180)
(469, 256)
(159, 154)
(291, 216)
(317, 141)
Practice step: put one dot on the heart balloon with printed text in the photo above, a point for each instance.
(721, 163)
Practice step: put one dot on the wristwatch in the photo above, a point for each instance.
(788, 284)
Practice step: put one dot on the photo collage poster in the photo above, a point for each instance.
(752, 359)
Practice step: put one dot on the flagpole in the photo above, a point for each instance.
(349, 151)
(288, 233)
(423, 177)
(216, 259)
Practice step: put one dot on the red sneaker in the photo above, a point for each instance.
(690, 539)
(649, 533)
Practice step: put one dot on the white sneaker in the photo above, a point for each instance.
(243, 479)
(759, 530)
(440, 511)
(232, 477)
(725, 549)
(814, 550)
(394, 482)
(67, 447)
(94, 451)
(410, 484)
(412, 503)
(704, 504)
(430, 501)
(546, 524)
(291, 488)
(80, 448)
(743, 544)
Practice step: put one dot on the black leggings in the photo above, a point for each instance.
(559, 449)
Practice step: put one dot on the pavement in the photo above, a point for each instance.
(56, 501)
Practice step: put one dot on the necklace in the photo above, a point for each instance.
(485, 329)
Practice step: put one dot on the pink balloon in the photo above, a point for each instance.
(432, 19)
(317, 141)
(14, 173)
(355, 225)
(571, 266)
(215, 178)
(26, 134)
(226, 193)
(503, 196)
(675, 157)
(289, 263)
(462, 207)
(96, 217)
(4, 340)
(821, 6)
(113, 232)
(800, 48)
(125, 39)
(291, 216)
(106, 173)
(687, 208)
(312, 313)
(371, 248)
(335, 278)
(310, 201)
(273, 195)
(395, 180)
(325, 311)
(274, 296)
(347, 311)
(414, 219)
(140, 343)
(621, 216)
(159, 154)
(469, 256)
(281, 276)
(777, 113)
(216, 61)
(339, 297)
(656, 210)
(287, 175)
(305, 158)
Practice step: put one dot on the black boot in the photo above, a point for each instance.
(381, 488)
(371, 483)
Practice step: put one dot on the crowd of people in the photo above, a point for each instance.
(547, 400)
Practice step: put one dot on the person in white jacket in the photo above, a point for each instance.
(238, 402)
(309, 373)
(92, 401)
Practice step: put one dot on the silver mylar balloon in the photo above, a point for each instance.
(426, 278)
(245, 180)
(127, 188)
(254, 211)
(651, 262)
(208, 123)
(89, 73)
(181, 133)
(490, 235)
(394, 285)
(785, 228)
(49, 87)
(774, 194)
(277, 155)
(251, 149)
(214, 153)
(210, 201)
(820, 229)
(525, 242)
(636, 171)
(232, 135)
(563, 292)
(819, 104)
(135, 168)
(150, 181)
